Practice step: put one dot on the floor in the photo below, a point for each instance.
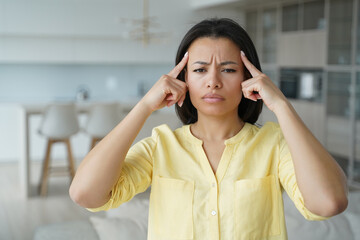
(20, 217)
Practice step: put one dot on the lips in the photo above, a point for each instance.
(213, 98)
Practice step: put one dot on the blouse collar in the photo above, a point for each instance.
(234, 139)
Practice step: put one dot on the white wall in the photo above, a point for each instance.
(90, 31)
(53, 82)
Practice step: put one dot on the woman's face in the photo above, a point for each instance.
(214, 75)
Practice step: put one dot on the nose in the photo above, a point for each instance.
(214, 80)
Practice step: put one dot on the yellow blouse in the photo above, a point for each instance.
(243, 200)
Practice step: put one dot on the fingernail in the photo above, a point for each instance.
(187, 53)
(242, 53)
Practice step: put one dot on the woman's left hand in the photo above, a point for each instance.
(260, 86)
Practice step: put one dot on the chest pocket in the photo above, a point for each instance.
(256, 208)
(172, 205)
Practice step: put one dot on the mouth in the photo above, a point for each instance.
(213, 98)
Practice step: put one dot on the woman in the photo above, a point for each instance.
(219, 176)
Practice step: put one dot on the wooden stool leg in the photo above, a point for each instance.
(70, 158)
(45, 170)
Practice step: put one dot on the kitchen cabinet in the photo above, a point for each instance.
(312, 114)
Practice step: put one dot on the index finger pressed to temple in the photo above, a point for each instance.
(252, 69)
(178, 68)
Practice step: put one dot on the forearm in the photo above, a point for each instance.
(101, 168)
(320, 179)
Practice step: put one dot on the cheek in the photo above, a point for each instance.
(193, 91)
(192, 77)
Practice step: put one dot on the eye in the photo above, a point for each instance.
(229, 70)
(199, 70)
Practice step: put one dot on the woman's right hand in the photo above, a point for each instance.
(168, 90)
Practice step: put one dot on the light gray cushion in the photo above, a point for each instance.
(299, 228)
(352, 213)
(127, 222)
(118, 229)
(74, 230)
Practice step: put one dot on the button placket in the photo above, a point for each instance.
(213, 210)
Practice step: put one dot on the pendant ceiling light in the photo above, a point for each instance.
(143, 28)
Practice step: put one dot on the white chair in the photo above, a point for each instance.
(103, 117)
(59, 123)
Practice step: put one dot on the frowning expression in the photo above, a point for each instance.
(214, 75)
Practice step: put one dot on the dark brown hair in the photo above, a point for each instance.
(248, 110)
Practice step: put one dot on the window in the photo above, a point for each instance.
(303, 16)
(251, 25)
(340, 25)
(338, 94)
(357, 131)
(290, 18)
(314, 15)
(358, 37)
(357, 99)
(269, 36)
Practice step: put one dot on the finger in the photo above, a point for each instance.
(257, 95)
(175, 95)
(182, 99)
(251, 91)
(170, 103)
(178, 68)
(252, 69)
(249, 82)
(250, 95)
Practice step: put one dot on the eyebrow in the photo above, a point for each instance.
(221, 64)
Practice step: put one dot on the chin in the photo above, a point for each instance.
(217, 111)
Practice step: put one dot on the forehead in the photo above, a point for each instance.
(208, 47)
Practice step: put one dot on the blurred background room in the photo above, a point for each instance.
(94, 59)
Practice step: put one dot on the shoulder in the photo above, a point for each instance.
(269, 132)
(271, 126)
(267, 128)
(164, 132)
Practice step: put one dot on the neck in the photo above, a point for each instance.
(210, 128)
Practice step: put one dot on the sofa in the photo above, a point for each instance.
(129, 222)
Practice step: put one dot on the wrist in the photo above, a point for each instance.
(282, 107)
(144, 108)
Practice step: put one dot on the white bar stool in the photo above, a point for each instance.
(103, 117)
(59, 123)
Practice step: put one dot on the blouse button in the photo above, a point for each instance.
(213, 213)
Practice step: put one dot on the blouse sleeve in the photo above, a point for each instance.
(289, 183)
(135, 176)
